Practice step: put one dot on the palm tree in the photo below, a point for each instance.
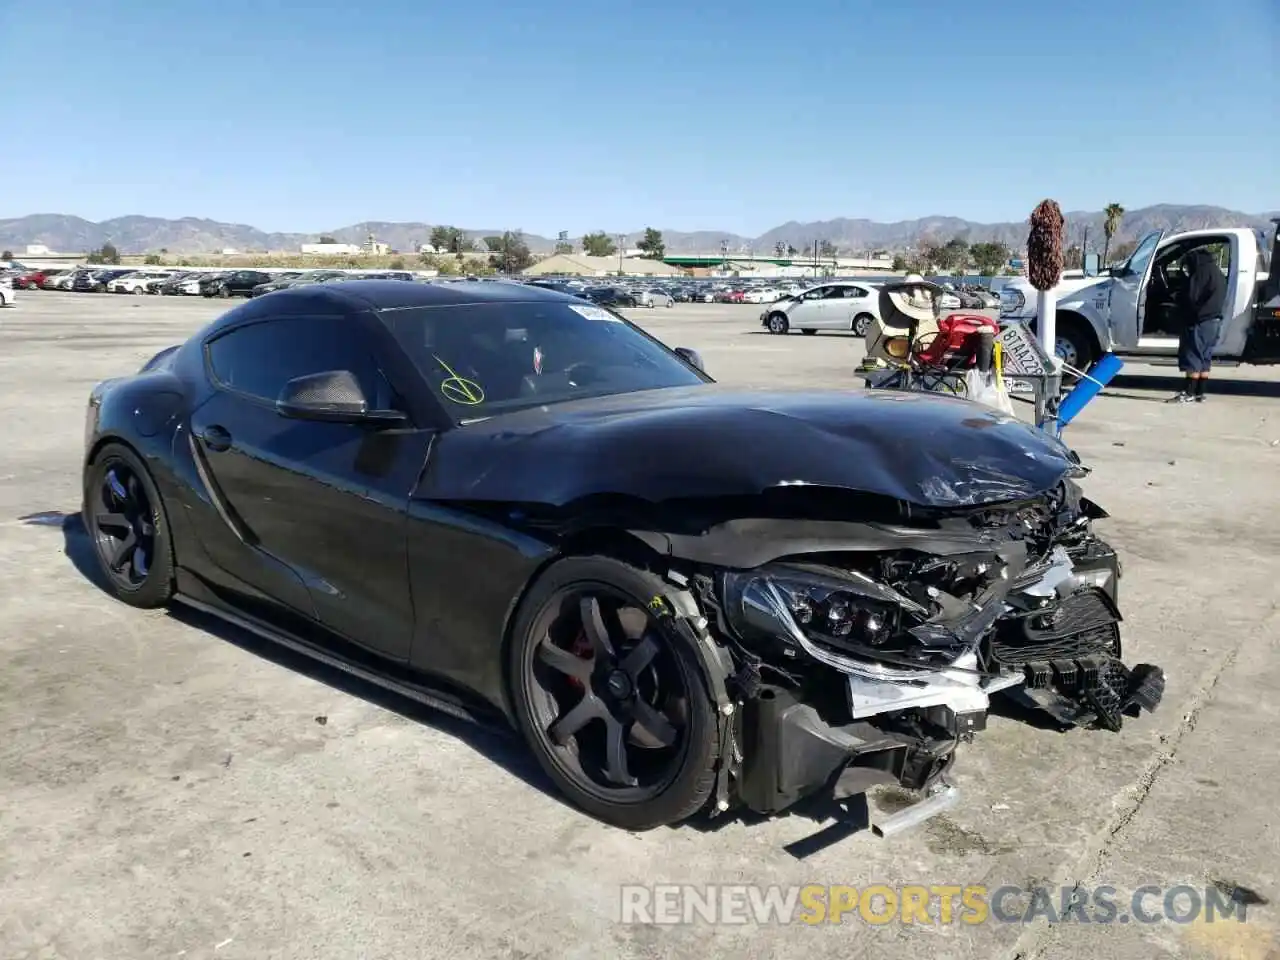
(1114, 214)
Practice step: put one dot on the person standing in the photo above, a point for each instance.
(1200, 301)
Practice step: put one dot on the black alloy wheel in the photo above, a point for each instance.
(124, 516)
(610, 697)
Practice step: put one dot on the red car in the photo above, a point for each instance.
(30, 281)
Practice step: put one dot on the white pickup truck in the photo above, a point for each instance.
(1129, 310)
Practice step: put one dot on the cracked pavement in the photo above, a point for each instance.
(171, 787)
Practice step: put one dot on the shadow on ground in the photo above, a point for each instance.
(496, 742)
(1167, 385)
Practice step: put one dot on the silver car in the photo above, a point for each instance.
(828, 306)
(652, 297)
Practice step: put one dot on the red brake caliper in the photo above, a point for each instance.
(581, 647)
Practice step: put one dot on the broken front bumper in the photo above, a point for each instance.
(1055, 647)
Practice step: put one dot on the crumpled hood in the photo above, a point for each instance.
(712, 441)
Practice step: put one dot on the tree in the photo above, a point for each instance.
(957, 253)
(446, 239)
(325, 238)
(1114, 214)
(152, 260)
(1073, 257)
(107, 253)
(827, 250)
(989, 257)
(7, 255)
(651, 245)
(1124, 251)
(397, 264)
(899, 263)
(791, 251)
(562, 242)
(493, 244)
(598, 244)
(512, 254)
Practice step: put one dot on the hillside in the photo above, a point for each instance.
(194, 235)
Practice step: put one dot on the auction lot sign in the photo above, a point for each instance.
(928, 905)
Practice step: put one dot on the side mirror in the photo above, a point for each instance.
(333, 397)
(691, 357)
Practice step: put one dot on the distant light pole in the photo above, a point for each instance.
(724, 256)
(621, 242)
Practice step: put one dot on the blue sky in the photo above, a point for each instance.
(568, 115)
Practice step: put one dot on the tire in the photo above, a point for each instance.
(224, 293)
(1076, 340)
(861, 324)
(778, 323)
(100, 288)
(155, 587)
(687, 775)
(809, 331)
(137, 291)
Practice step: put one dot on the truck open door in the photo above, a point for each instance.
(1263, 344)
(1129, 292)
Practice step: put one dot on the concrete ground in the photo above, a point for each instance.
(170, 788)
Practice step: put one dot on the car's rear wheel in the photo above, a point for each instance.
(610, 698)
(861, 324)
(778, 323)
(125, 517)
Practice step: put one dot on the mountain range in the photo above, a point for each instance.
(64, 233)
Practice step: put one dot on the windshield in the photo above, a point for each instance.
(488, 358)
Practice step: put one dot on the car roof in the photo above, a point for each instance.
(356, 296)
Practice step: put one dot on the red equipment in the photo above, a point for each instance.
(956, 343)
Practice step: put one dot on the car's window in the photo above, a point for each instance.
(261, 358)
(1136, 265)
(487, 358)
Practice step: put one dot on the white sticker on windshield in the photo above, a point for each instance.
(595, 313)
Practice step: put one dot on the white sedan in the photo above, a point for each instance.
(841, 305)
(6, 293)
(136, 282)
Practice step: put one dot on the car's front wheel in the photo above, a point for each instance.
(610, 697)
(125, 518)
(861, 324)
(778, 323)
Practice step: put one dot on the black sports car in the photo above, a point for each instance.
(503, 500)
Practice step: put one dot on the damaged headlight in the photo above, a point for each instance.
(824, 611)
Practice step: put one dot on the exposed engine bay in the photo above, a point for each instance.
(864, 652)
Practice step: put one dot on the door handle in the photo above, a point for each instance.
(216, 438)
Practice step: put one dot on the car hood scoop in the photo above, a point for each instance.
(712, 441)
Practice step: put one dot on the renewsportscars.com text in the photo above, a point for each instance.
(878, 904)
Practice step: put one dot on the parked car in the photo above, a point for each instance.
(138, 281)
(294, 280)
(234, 283)
(564, 530)
(609, 296)
(30, 280)
(650, 297)
(96, 281)
(828, 306)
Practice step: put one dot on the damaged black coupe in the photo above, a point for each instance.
(496, 498)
